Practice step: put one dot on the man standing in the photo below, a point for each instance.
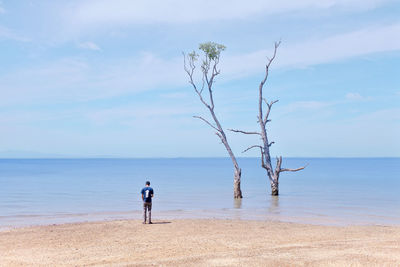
(147, 194)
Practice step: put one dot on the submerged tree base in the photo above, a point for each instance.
(275, 192)
(237, 192)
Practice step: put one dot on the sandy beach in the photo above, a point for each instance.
(200, 243)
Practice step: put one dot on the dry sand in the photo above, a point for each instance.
(200, 243)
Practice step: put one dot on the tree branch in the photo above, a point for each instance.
(260, 88)
(210, 82)
(206, 121)
(293, 170)
(243, 132)
(270, 144)
(190, 72)
(219, 134)
(247, 149)
(269, 63)
(269, 109)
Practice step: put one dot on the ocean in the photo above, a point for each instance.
(330, 191)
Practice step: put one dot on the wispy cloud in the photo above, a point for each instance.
(60, 79)
(8, 34)
(346, 136)
(342, 46)
(311, 106)
(2, 10)
(356, 97)
(90, 46)
(175, 95)
(79, 79)
(75, 79)
(64, 100)
(96, 13)
(128, 115)
(319, 105)
(312, 52)
(391, 115)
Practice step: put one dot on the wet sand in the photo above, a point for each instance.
(200, 243)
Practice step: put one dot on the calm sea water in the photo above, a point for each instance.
(329, 191)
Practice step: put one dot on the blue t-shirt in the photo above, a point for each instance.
(147, 192)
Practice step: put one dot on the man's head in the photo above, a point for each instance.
(147, 183)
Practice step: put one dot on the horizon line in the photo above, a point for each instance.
(211, 157)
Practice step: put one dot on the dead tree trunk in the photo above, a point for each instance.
(263, 119)
(209, 72)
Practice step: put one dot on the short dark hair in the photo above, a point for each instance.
(147, 182)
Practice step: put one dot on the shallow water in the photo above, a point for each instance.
(329, 191)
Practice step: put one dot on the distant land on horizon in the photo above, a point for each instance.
(19, 154)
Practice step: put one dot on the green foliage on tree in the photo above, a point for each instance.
(212, 50)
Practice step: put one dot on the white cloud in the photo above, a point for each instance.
(342, 46)
(175, 95)
(343, 137)
(8, 34)
(52, 81)
(141, 73)
(136, 115)
(75, 79)
(90, 46)
(313, 52)
(357, 97)
(389, 115)
(311, 104)
(78, 79)
(306, 106)
(99, 12)
(319, 105)
(2, 10)
(354, 96)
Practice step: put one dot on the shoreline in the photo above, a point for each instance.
(203, 242)
(23, 221)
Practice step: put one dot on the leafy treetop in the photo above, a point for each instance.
(212, 50)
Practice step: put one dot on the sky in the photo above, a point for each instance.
(97, 78)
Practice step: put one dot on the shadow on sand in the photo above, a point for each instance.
(161, 222)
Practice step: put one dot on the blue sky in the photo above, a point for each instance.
(105, 78)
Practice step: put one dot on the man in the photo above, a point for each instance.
(147, 195)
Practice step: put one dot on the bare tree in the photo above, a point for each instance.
(263, 119)
(209, 70)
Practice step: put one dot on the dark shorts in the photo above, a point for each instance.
(147, 205)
